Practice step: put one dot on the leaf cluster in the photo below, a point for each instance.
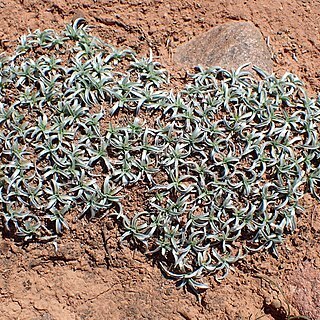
(225, 161)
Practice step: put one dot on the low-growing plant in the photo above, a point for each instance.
(224, 162)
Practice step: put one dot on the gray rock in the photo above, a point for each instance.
(229, 46)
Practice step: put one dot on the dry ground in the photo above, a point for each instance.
(79, 282)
